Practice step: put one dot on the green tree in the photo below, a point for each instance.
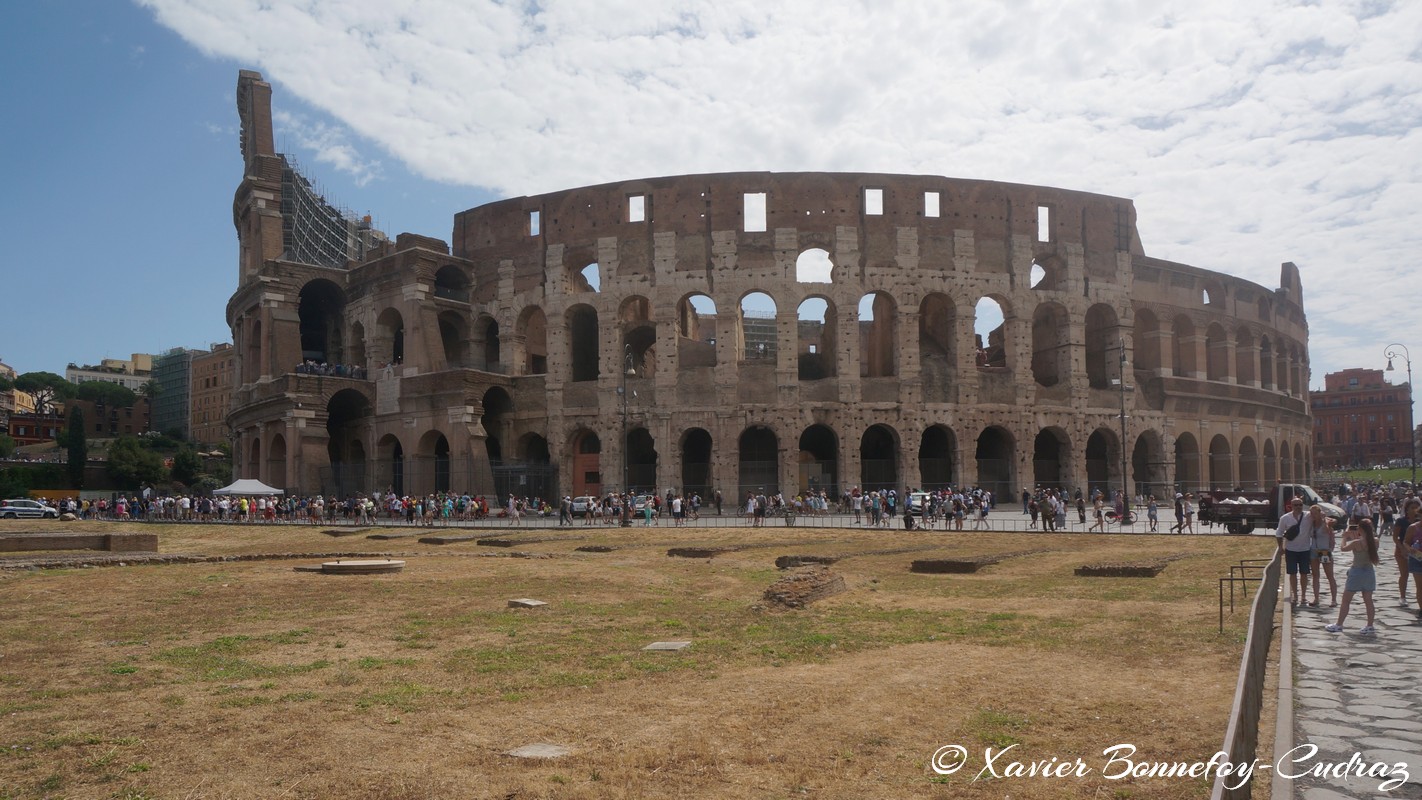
(77, 445)
(131, 465)
(105, 393)
(150, 389)
(7, 445)
(187, 466)
(46, 388)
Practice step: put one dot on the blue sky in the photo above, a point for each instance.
(1248, 133)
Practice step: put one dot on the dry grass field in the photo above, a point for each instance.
(245, 679)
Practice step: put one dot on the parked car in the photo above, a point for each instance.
(917, 502)
(582, 504)
(19, 509)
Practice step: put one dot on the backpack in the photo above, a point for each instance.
(1292, 532)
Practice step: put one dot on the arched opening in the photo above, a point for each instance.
(877, 336)
(1103, 455)
(1286, 463)
(451, 284)
(1147, 340)
(391, 464)
(1103, 346)
(696, 332)
(453, 335)
(533, 449)
(1271, 464)
(348, 416)
(819, 460)
(588, 279)
(498, 422)
(1051, 452)
(1216, 353)
(487, 335)
(255, 462)
(1248, 465)
(532, 327)
(996, 462)
(433, 458)
(320, 308)
(639, 335)
(879, 459)
(990, 333)
(641, 461)
(1300, 464)
(1187, 462)
(582, 343)
(390, 328)
(814, 266)
(936, 449)
(1221, 464)
(696, 462)
(587, 464)
(759, 331)
(276, 462)
(937, 353)
(1183, 341)
(1047, 274)
(758, 461)
(1148, 467)
(1051, 344)
(815, 337)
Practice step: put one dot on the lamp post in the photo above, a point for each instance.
(1125, 473)
(1399, 351)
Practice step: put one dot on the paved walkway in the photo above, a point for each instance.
(1358, 694)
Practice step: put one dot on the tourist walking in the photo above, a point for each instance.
(1362, 577)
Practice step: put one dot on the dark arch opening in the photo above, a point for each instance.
(696, 462)
(878, 459)
(819, 455)
(759, 461)
(935, 458)
(319, 310)
(995, 462)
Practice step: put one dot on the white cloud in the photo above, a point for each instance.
(328, 144)
(1248, 132)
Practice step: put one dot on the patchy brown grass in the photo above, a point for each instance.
(246, 679)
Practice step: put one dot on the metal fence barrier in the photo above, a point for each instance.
(1241, 740)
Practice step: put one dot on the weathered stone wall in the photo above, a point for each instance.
(563, 326)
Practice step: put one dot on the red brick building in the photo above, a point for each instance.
(1359, 420)
(211, 374)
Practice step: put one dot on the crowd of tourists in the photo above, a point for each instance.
(310, 367)
(1381, 522)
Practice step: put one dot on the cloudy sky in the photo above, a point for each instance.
(1248, 133)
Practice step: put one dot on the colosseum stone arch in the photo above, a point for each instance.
(667, 333)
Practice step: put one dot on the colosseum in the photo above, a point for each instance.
(784, 331)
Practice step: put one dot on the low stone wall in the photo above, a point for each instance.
(108, 542)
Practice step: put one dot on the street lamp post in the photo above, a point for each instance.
(1125, 472)
(1399, 351)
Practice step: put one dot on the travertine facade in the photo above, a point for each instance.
(502, 362)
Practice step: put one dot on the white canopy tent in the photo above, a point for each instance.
(248, 486)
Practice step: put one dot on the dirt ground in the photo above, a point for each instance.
(244, 679)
